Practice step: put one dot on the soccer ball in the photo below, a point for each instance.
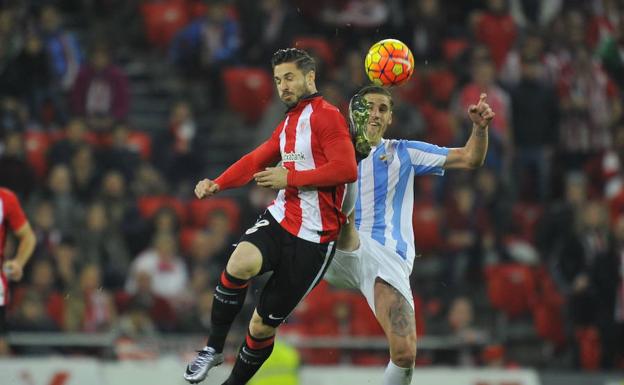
(389, 62)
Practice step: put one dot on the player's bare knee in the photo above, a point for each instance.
(259, 329)
(403, 352)
(245, 261)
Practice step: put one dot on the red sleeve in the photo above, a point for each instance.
(13, 210)
(241, 172)
(338, 150)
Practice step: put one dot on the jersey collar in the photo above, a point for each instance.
(303, 102)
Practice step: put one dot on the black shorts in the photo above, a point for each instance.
(297, 265)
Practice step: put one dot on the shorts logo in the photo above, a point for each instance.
(261, 223)
(271, 316)
(293, 157)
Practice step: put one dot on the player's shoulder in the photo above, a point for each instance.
(5, 193)
(323, 106)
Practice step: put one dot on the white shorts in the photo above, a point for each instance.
(358, 269)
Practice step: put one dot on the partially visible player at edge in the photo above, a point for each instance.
(295, 237)
(12, 217)
(375, 251)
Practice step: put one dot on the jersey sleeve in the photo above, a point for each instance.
(426, 158)
(338, 150)
(14, 214)
(241, 172)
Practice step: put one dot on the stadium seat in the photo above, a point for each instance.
(149, 205)
(441, 84)
(452, 48)
(162, 19)
(199, 211)
(525, 216)
(426, 224)
(37, 144)
(318, 47)
(187, 235)
(588, 340)
(511, 288)
(249, 91)
(142, 142)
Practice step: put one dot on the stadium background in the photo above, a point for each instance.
(111, 110)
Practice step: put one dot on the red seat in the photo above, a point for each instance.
(511, 288)
(590, 349)
(149, 205)
(200, 210)
(142, 142)
(318, 46)
(249, 91)
(37, 144)
(426, 224)
(441, 84)
(187, 235)
(525, 217)
(163, 19)
(452, 48)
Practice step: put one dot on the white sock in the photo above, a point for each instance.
(395, 375)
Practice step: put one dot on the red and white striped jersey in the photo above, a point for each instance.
(313, 143)
(12, 217)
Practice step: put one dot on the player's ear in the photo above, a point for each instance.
(310, 78)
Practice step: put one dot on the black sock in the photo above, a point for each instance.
(251, 356)
(229, 298)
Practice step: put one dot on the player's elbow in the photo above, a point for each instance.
(475, 163)
(351, 173)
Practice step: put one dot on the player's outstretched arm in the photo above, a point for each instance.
(472, 155)
(242, 171)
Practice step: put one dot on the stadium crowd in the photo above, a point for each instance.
(525, 253)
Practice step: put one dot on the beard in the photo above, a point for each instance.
(305, 92)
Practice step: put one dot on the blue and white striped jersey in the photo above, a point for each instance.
(385, 191)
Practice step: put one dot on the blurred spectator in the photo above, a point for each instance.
(181, 161)
(590, 104)
(529, 14)
(67, 263)
(148, 181)
(15, 172)
(203, 47)
(103, 245)
(146, 309)
(85, 173)
(206, 256)
(120, 207)
(198, 319)
(46, 233)
(67, 209)
(62, 46)
(38, 306)
(29, 77)
(483, 79)
(74, 135)
(267, 26)
(460, 324)
(426, 30)
(101, 93)
(167, 270)
(121, 156)
(89, 308)
(535, 113)
(11, 116)
(496, 29)
(465, 221)
(610, 53)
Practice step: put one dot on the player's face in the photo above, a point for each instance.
(291, 83)
(379, 116)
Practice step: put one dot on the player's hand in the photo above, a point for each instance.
(13, 270)
(272, 177)
(206, 188)
(481, 114)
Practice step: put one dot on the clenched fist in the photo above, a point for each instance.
(206, 188)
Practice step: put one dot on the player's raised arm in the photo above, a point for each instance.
(472, 155)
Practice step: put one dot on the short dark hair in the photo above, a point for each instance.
(373, 89)
(301, 58)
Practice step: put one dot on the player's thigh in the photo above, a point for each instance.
(245, 262)
(396, 317)
(300, 269)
